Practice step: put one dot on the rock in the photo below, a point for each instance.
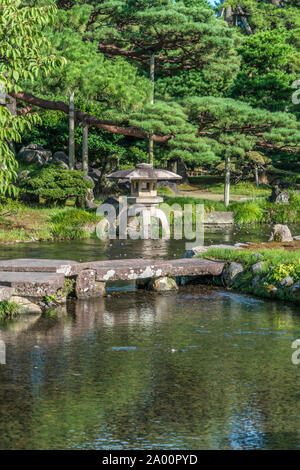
(26, 306)
(257, 256)
(256, 281)
(272, 290)
(170, 184)
(297, 237)
(88, 178)
(257, 268)
(231, 272)
(280, 233)
(95, 175)
(295, 291)
(219, 218)
(23, 174)
(163, 284)
(279, 194)
(124, 187)
(60, 156)
(6, 292)
(286, 282)
(35, 153)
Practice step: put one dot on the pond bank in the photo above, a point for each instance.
(259, 269)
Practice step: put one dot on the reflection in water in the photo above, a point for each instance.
(201, 368)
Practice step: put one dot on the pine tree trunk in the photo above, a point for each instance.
(85, 148)
(244, 20)
(227, 182)
(71, 131)
(264, 177)
(256, 176)
(152, 71)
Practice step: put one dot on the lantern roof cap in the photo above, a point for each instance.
(144, 171)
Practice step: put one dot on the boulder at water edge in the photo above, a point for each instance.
(231, 272)
(280, 233)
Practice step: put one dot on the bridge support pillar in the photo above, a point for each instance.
(87, 286)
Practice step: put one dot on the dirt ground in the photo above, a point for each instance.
(288, 246)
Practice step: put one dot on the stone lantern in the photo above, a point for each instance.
(143, 183)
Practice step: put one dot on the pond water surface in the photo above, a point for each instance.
(199, 369)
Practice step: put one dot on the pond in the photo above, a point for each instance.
(93, 249)
(198, 369)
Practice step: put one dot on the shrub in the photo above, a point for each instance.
(247, 213)
(69, 224)
(55, 185)
(74, 217)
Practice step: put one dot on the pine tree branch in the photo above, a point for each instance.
(89, 119)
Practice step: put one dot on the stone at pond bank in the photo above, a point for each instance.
(231, 272)
(163, 284)
(26, 306)
(257, 268)
(280, 233)
(286, 282)
(294, 291)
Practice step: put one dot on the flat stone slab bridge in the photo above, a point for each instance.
(45, 277)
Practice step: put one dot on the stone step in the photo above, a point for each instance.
(32, 284)
(38, 265)
(142, 269)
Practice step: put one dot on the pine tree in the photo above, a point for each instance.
(169, 37)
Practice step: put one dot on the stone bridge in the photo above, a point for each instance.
(45, 277)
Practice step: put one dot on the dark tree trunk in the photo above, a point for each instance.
(227, 182)
(152, 72)
(71, 131)
(85, 148)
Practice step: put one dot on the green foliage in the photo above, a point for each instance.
(59, 232)
(68, 286)
(246, 188)
(55, 185)
(165, 191)
(9, 207)
(25, 53)
(247, 213)
(270, 63)
(8, 309)
(74, 217)
(209, 206)
(69, 224)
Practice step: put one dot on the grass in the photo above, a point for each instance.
(46, 224)
(246, 188)
(165, 191)
(209, 206)
(248, 257)
(8, 309)
(277, 265)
